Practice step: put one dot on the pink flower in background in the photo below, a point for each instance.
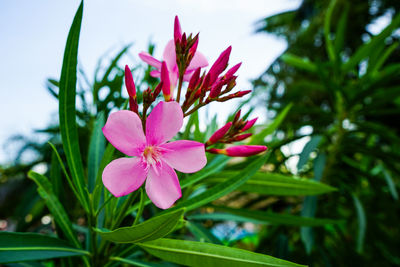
(169, 57)
(152, 157)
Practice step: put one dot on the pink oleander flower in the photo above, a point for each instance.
(151, 156)
(169, 57)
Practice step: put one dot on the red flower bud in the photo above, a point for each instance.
(130, 85)
(248, 125)
(244, 150)
(219, 65)
(166, 87)
(242, 137)
(177, 30)
(216, 89)
(237, 116)
(193, 49)
(219, 133)
(242, 93)
(232, 70)
(194, 79)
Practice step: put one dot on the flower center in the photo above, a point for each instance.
(151, 155)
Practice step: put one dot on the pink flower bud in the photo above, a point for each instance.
(194, 79)
(242, 137)
(219, 65)
(248, 124)
(237, 115)
(219, 134)
(216, 89)
(177, 30)
(244, 150)
(130, 85)
(232, 70)
(242, 93)
(166, 87)
(193, 49)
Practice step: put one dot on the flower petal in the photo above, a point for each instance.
(123, 176)
(124, 131)
(199, 60)
(155, 73)
(169, 55)
(163, 187)
(164, 122)
(184, 155)
(149, 59)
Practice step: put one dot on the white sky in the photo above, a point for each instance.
(33, 35)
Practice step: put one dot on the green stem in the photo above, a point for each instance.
(179, 87)
(141, 207)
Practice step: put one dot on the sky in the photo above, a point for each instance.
(33, 35)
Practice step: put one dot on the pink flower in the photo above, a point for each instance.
(169, 56)
(151, 156)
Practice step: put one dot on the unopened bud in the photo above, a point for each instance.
(220, 133)
(242, 137)
(166, 87)
(129, 83)
(244, 150)
(232, 70)
(248, 124)
(217, 151)
(219, 65)
(177, 30)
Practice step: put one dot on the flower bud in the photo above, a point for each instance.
(244, 150)
(248, 124)
(166, 87)
(232, 70)
(216, 89)
(220, 133)
(129, 83)
(217, 151)
(219, 65)
(177, 30)
(242, 137)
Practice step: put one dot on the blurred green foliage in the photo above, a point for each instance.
(343, 79)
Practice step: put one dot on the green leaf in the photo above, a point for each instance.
(107, 157)
(135, 262)
(275, 184)
(391, 184)
(327, 31)
(362, 223)
(308, 148)
(259, 138)
(263, 217)
(67, 112)
(57, 210)
(201, 233)
(365, 49)
(152, 229)
(224, 187)
(298, 62)
(96, 151)
(17, 247)
(190, 253)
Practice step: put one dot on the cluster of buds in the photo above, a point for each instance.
(234, 132)
(185, 48)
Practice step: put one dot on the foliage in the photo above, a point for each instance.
(344, 83)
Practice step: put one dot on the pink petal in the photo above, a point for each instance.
(199, 60)
(124, 131)
(123, 176)
(164, 122)
(155, 73)
(163, 187)
(184, 155)
(149, 59)
(169, 55)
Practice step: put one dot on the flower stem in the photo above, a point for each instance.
(141, 207)
(179, 87)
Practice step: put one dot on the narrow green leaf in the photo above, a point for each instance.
(55, 174)
(308, 148)
(67, 112)
(135, 262)
(201, 233)
(275, 184)
(57, 210)
(341, 29)
(96, 151)
(17, 247)
(259, 138)
(107, 157)
(190, 253)
(391, 184)
(152, 229)
(265, 217)
(223, 188)
(365, 49)
(362, 223)
(327, 31)
(298, 62)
